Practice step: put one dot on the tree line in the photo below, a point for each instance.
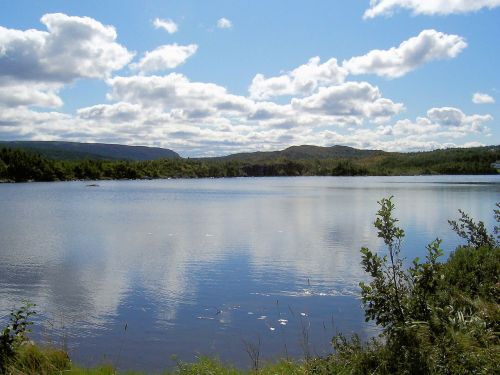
(20, 165)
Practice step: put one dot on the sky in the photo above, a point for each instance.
(207, 78)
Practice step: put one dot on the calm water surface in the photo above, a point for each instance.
(193, 267)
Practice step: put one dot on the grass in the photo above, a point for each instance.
(35, 360)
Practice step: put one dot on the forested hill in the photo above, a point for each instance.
(24, 165)
(96, 151)
(304, 152)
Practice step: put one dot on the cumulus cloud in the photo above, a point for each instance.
(13, 95)
(168, 25)
(454, 117)
(395, 62)
(358, 99)
(472, 144)
(229, 132)
(447, 116)
(184, 100)
(165, 57)
(72, 48)
(177, 93)
(199, 118)
(224, 23)
(441, 127)
(480, 98)
(428, 7)
(117, 113)
(35, 64)
(23, 123)
(300, 81)
(203, 118)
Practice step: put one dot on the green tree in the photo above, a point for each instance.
(436, 318)
(3, 169)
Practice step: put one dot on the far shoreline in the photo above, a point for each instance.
(90, 181)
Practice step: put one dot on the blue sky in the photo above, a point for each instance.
(212, 78)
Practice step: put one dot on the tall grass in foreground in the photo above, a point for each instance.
(435, 318)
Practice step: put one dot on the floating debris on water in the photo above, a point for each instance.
(272, 328)
(262, 317)
(283, 322)
(217, 310)
(205, 317)
(309, 292)
(303, 314)
(250, 313)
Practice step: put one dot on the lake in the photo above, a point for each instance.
(134, 272)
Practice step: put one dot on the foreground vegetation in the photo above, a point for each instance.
(21, 165)
(435, 317)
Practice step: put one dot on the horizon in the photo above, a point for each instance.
(256, 151)
(222, 78)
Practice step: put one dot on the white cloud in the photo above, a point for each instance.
(13, 95)
(168, 25)
(447, 116)
(480, 98)
(202, 118)
(117, 113)
(270, 111)
(454, 117)
(165, 57)
(358, 99)
(395, 62)
(183, 100)
(224, 23)
(428, 7)
(442, 127)
(300, 81)
(23, 123)
(198, 118)
(35, 64)
(73, 47)
(228, 132)
(472, 144)
(174, 92)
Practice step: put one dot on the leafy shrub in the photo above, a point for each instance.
(436, 318)
(15, 333)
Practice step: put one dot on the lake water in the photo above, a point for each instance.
(134, 272)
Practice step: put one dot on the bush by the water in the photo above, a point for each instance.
(435, 317)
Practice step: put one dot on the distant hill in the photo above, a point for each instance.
(304, 152)
(100, 151)
(100, 161)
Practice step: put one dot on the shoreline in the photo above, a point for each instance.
(9, 181)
